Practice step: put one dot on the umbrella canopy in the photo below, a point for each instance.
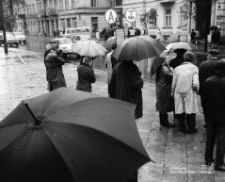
(138, 48)
(88, 48)
(158, 61)
(182, 45)
(110, 42)
(68, 135)
(213, 27)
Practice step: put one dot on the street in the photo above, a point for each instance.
(178, 157)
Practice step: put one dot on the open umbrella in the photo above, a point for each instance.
(213, 27)
(110, 42)
(182, 45)
(138, 48)
(68, 135)
(88, 48)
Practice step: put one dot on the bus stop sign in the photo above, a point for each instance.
(111, 16)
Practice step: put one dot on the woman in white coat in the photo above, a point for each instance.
(185, 86)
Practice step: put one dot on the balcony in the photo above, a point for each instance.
(52, 12)
(42, 13)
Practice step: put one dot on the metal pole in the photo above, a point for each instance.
(3, 28)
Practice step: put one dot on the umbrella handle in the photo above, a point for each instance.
(37, 122)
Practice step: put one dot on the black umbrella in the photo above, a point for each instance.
(68, 135)
(213, 27)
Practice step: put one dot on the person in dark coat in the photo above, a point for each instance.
(206, 70)
(86, 75)
(179, 59)
(214, 107)
(165, 102)
(126, 84)
(213, 38)
(192, 34)
(54, 68)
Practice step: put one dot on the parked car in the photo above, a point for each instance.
(21, 37)
(10, 38)
(65, 46)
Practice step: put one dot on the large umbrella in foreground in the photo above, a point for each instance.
(182, 45)
(138, 48)
(68, 135)
(88, 48)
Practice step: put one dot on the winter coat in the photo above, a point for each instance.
(206, 70)
(126, 84)
(86, 77)
(165, 102)
(185, 95)
(54, 70)
(214, 99)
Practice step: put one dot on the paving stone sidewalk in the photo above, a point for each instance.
(178, 157)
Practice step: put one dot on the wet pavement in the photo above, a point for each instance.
(178, 157)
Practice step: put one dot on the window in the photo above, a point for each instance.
(68, 22)
(61, 4)
(56, 4)
(94, 23)
(168, 18)
(93, 3)
(67, 4)
(118, 2)
(74, 3)
(112, 3)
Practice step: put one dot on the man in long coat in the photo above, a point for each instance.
(126, 84)
(206, 70)
(214, 99)
(86, 75)
(185, 86)
(54, 69)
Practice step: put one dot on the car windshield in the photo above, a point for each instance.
(65, 41)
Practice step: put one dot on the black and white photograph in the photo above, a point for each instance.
(112, 90)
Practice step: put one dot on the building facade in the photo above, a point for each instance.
(42, 17)
(172, 17)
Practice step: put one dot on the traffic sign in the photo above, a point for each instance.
(111, 16)
(131, 15)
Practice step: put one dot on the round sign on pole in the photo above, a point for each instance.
(131, 15)
(111, 16)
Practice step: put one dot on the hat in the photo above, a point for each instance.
(220, 67)
(213, 52)
(53, 42)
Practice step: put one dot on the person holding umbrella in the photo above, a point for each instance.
(126, 84)
(163, 82)
(185, 86)
(54, 64)
(86, 75)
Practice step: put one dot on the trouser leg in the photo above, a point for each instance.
(191, 121)
(210, 142)
(203, 110)
(220, 145)
(163, 118)
(181, 121)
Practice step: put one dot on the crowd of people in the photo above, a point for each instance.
(178, 82)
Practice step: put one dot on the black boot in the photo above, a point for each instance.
(164, 121)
